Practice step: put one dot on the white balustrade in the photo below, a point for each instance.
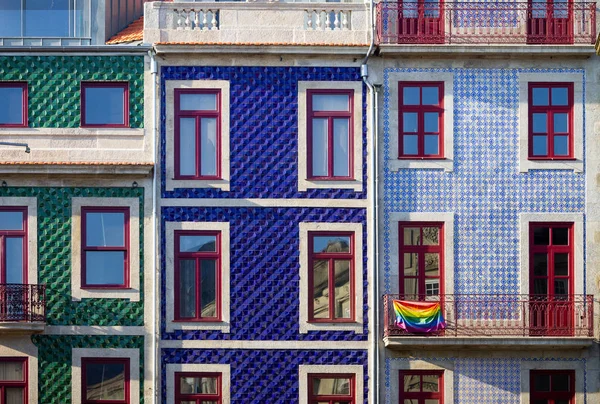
(327, 20)
(203, 19)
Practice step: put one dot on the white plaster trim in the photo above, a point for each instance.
(133, 292)
(446, 366)
(447, 163)
(225, 371)
(305, 370)
(282, 202)
(171, 183)
(93, 330)
(305, 184)
(448, 219)
(524, 163)
(357, 324)
(578, 228)
(134, 369)
(282, 345)
(32, 236)
(223, 325)
(78, 132)
(19, 347)
(527, 366)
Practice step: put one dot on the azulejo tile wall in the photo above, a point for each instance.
(485, 191)
(264, 129)
(264, 269)
(54, 258)
(54, 85)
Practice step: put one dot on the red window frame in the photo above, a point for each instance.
(198, 257)
(420, 110)
(198, 115)
(330, 116)
(127, 380)
(421, 250)
(14, 383)
(420, 396)
(331, 257)
(106, 84)
(126, 248)
(331, 399)
(24, 88)
(552, 396)
(13, 234)
(198, 398)
(550, 110)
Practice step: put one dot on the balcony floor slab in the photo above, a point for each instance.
(22, 327)
(498, 343)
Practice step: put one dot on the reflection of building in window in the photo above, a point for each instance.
(197, 387)
(331, 388)
(420, 386)
(105, 380)
(421, 249)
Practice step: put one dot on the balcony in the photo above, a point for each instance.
(486, 22)
(527, 321)
(22, 308)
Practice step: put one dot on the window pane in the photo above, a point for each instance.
(432, 264)
(411, 96)
(431, 383)
(431, 96)
(321, 289)
(432, 120)
(14, 259)
(560, 382)
(209, 288)
(105, 267)
(106, 229)
(540, 96)
(208, 146)
(561, 123)
(331, 386)
(412, 236)
(199, 385)
(187, 288)
(187, 146)
(540, 287)
(342, 289)
(409, 145)
(197, 102)
(410, 287)
(11, 371)
(11, 102)
(432, 145)
(560, 95)
(540, 123)
(45, 18)
(540, 145)
(331, 243)
(319, 148)
(541, 382)
(201, 243)
(11, 220)
(412, 383)
(432, 287)
(10, 19)
(411, 264)
(341, 152)
(431, 235)
(561, 145)
(15, 395)
(330, 102)
(541, 235)
(105, 381)
(561, 286)
(410, 122)
(560, 236)
(540, 264)
(104, 106)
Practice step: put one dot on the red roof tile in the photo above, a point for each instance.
(133, 32)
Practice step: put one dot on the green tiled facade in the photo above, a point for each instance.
(54, 85)
(54, 258)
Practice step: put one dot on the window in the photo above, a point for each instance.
(105, 104)
(105, 247)
(551, 255)
(198, 388)
(331, 276)
(329, 134)
(13, 104)
(13, 380)
(105, 380)
(197, 134)
(421, 121)
(42, 18)
(421, 387)
(422, 259)
(13, 245)
(197, 276)
(331, 388)
(551, 120)
(552, 386)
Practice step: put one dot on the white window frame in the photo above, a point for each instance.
(304, 183)
(447, 162)
(578, 131)
(171, 182)
(357, 324)
(397, 365)
(133, 354)
(576, 365)
(223, 325)
(224, 370)
(305, 370)
(133, 292)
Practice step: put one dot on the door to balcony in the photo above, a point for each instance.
(550, 22)
(421, 21)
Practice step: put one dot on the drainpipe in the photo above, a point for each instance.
(154, 351)
(372, 192)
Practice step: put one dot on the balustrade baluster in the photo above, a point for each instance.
(336, 21)
(213, 21)
(327, 21)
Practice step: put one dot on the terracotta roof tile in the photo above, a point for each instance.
(133, 32)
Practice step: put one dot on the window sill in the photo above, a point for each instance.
(572, 164)
(222, 326)
(304, 185)
(354, 326)
(173, 184)
(105, 293)
(402, 163)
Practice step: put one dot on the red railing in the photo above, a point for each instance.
(420, 22)
(22, 303)
(503, 315)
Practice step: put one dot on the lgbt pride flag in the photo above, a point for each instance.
(419, 317)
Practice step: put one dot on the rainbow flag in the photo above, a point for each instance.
(419, 317)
